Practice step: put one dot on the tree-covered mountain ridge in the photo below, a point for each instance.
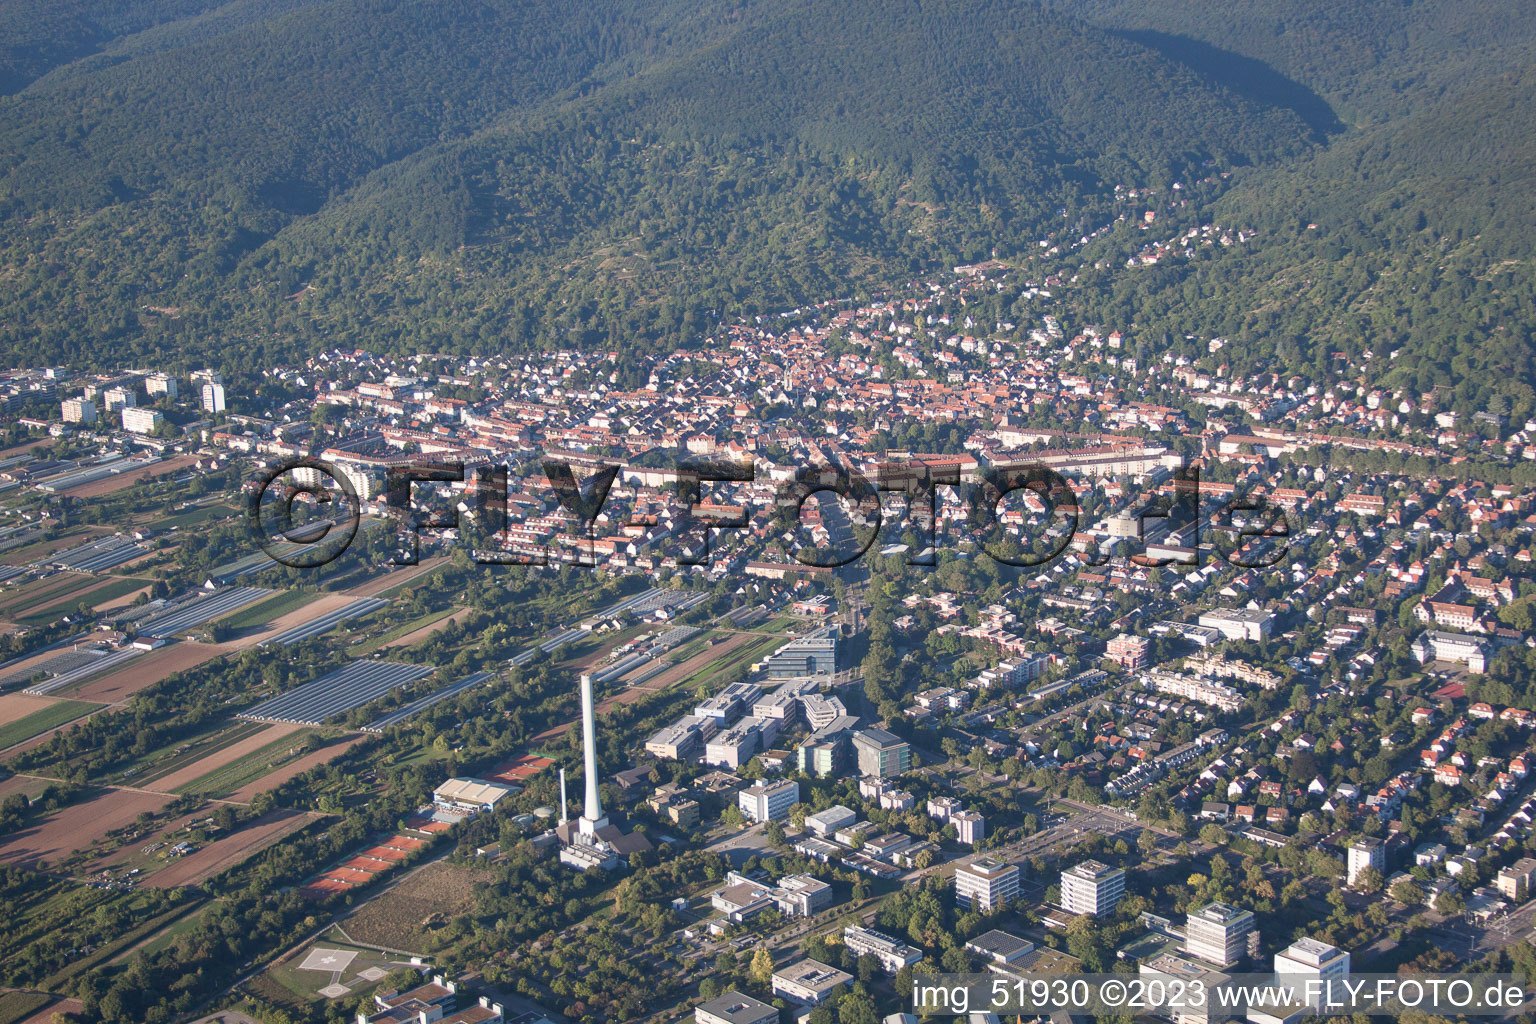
(292, 175)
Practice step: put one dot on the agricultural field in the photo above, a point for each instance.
(241, 764)
(37, 715)
(315, 607)
(298, 766)
(28, 553)
(417, 630)
(123, 481)
(55, 837)
(215, 758)
(18, 1006)
(36, 595)
(145, 671)
(230, 851)
(96, 590)
(262, 612)
(157, 764)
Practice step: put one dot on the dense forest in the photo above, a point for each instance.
(185, 182)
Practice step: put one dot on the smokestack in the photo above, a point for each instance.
(592, 818)
(563, 815)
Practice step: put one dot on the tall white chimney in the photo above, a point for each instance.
(592, 819)
(564, 817)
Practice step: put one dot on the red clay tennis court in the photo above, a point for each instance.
(407, 844)
(519, 769)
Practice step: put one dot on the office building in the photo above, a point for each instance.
(826, 822)
(1366, 852)
(820, 711)
(808, 982)
(768, 801)
(683, 740)
(1218, 934)
(1240, 623)
(1000, 947)
(1092, 887)
(735, 746)
(891, 954)
(880, 753)
(1188, 975)
(813, 655)
(736, 1008)
(1311, 960)
(986, 884)
(802, 895)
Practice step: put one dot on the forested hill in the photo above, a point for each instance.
(185, 182)
(826, 142)
(1411, 240)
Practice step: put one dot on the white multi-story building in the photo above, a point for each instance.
(970, 827)
(79, 410)
(802, 896)
(1218, 934)
(1092, 887)
(768, 801)
(161, 384)
(893, 955)
(1366, 852)
(213, 397)
(1206, 691)
(808, 982)
(1311, 960)
(1240, 623)
(985, 884)
(120, 398)
(141, 421)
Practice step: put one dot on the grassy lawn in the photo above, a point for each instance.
(44, 719)
(265, 611)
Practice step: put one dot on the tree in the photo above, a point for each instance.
(761, 971)
(1214, 834)
(1407, 892)
(1147, 842)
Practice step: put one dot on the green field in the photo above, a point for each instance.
(101, 590)
(253, 766)
(15, 1006)
(195, 516)
(158, 764)
(405, 628)
(266, 610)
(43, 719)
